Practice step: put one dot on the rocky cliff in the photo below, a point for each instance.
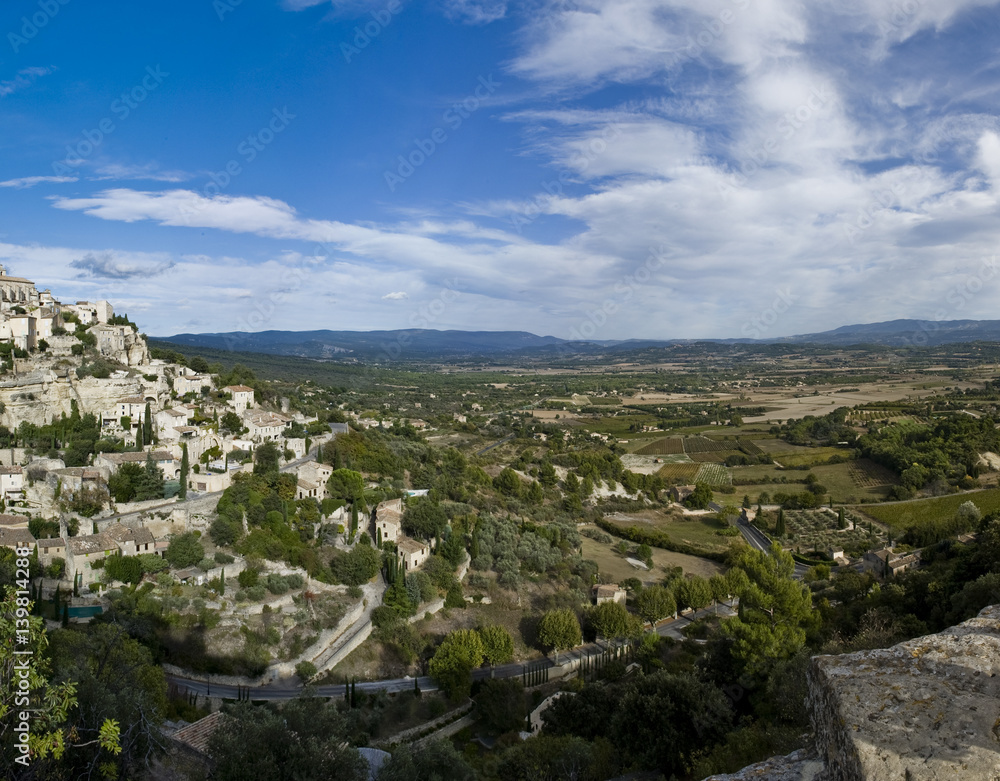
(45, 393)
(925, 709)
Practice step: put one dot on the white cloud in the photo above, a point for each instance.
(400, 296)
(31, 181)
(476, 11)
(24, 78)
(149, 171)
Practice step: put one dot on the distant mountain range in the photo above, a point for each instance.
(427, 345)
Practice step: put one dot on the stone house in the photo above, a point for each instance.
(73, 478)
(412, 553)
(192, 383)
(681, 492)
(387, 523)
(50, 549)
(16, 538)
(162, 458)
(167, 419)
(608, 593)
(11, 483)
(13, 521)
(82, 552)
(265, 426)
(243, 397)
(131, 542)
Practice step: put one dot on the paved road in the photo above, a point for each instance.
(289, 688)
(486, 449)
(762, 542)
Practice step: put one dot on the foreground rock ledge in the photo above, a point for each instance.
(925, 709)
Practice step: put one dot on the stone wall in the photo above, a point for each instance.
(925, 709)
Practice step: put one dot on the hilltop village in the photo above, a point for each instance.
(471, 564)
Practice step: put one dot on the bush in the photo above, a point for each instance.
(277, 585)
(248, 578)
(223, 558)
(185, 550)
(295, 581)
(206, 564)
(306, 670)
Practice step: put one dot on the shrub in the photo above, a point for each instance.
(295, 581)
(248, 578)
(206, 564)
(277, 584)
(306, 670)
(223, 558)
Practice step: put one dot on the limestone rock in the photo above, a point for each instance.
(800, 765)
(925, 709)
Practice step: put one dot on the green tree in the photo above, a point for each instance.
(434, 761)
(613, 621)
(694, 592)
(147, 425)
(184, 550)
(700, 497)
(498, 645)
(455, 659)
(231, 423)
(52, 702)
(424, 519)
(123, 485)
(265, 459)
(185, 470)
(654, 603)
(508, 483)
(500, 704)
(306, 740)
(559, 630)
(774, 610)
(347, 485)
(663, 719)
(779, 526)
(357, 566)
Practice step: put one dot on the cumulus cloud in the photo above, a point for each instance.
(113, 266)
(399, 296)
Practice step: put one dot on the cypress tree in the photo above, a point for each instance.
(841, 521)
(185, 466)
(779, 527)
(147, 426)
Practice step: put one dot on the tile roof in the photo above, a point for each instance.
(11, 470)
(238, 389)
(91, 543)
(406, 545)
(9, 538)
(11, 521)
(52, 542)
(138, 458)
(198, 734)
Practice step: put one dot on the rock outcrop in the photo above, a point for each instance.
(925, 709)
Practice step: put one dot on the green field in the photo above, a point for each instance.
(851, 482)
(817, 530)
(714, 475)
(680, 473)
(698, 531)
(661, 447)
(901, 515)
(809, 456)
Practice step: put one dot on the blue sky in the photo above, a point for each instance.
(691, 168)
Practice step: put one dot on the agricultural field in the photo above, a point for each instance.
(809, 456)
(717, 457)
(853, 482)
(715, 475)
(694, 445)
(614, 568)
(750, 447)
(817, 530)
(662, 447)
(679, 474)
(696, 530)
(901, 515)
